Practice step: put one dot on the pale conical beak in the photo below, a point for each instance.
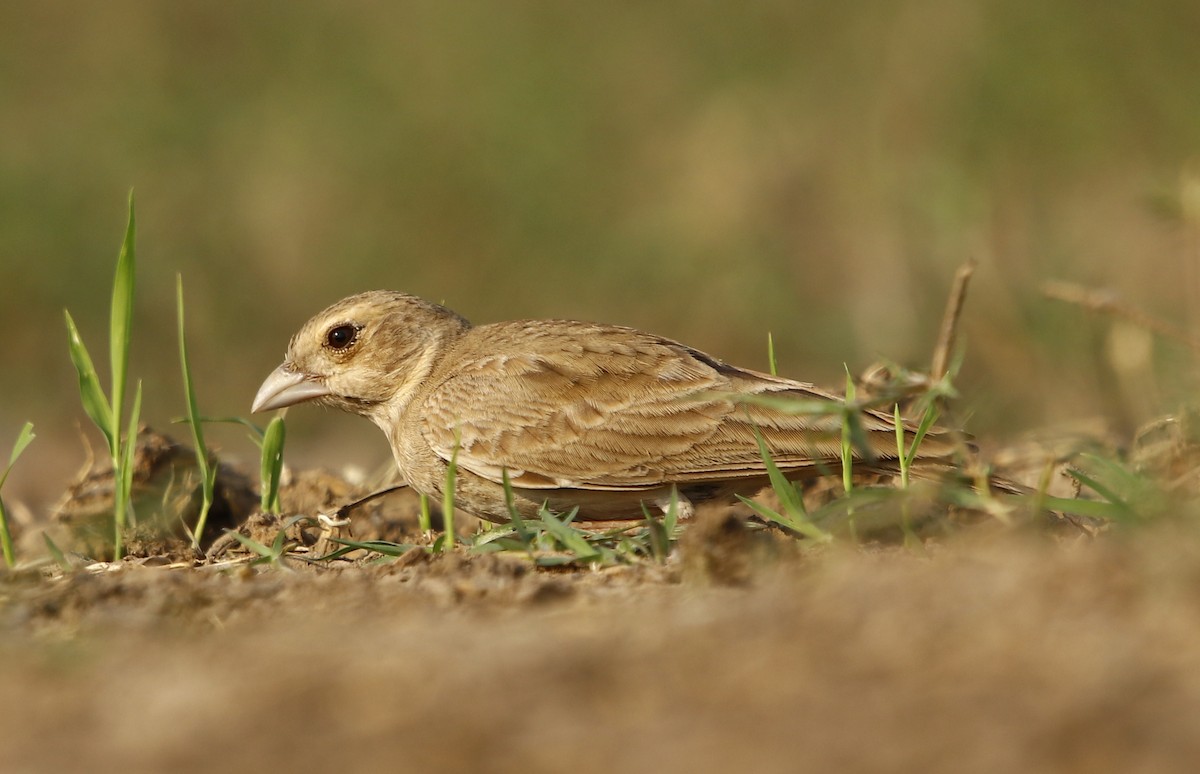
(285, 387)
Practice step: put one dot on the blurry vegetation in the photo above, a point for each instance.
(708, 171)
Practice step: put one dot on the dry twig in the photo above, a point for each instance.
(1107, 302)
(949, 330)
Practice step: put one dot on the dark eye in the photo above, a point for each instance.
(341, 336)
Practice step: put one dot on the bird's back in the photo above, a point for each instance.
(565, 404)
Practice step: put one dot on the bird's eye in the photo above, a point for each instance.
(341, 336)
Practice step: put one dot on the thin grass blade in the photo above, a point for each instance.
(90, 392)
(1098, 509)
(569, 537)
(1119, 476)
(499, 532)
(514, 515)
(448, 499)
(927, 419)
(265, 552)
(671, 517)
(898, 422)
(854, 435)
(657, 534)
(384, 547)
(124, 475)
(56, 554)
(793, 503)
(424, 517)
(792, 406)
(271, 464)
(193, 411)
(121, 317)
(1101, 489)
(803, 526)
(23, 439)
(207, 475)
(6, 544)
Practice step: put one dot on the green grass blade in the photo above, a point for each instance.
(271, 464)
(803, 526)
(496, 545)
(90, 392)
(424, 517)
(121, 317)
(278, 548)
(207, 476)
(500, 532)
(135, 415)
(6, 544)
(124, 476)
(23, 438)
(903, 458)
(671, 517)
(927, 419)
(771, 364)
(848, 436)
(804, 407)
(1099, 509)
(448, 499)
(662, 532)
(256, 432)
(193, 411)
(797, 518)
(767, 513)
(910, 537)
(569, 537)
(514, 515)
(1101, 489)
(384, 547)
(656, 534)
(56, 554)
(793, 503)
(1116, 474)
(266, 552)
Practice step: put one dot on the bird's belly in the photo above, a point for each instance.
(426, 473)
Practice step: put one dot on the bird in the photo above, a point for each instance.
(604, 420)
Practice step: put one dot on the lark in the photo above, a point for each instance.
(603, 418)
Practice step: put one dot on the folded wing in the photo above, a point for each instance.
(584, 406)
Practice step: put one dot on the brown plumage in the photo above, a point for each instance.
(601, 417)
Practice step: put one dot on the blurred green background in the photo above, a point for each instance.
(708, 171)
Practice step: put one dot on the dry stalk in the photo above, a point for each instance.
(948, 333)
(1106, 302)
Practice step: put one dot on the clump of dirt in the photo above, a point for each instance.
(719, 548)
(165, 499)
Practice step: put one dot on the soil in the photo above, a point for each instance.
(998, 649)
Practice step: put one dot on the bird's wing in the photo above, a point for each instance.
(583, 406)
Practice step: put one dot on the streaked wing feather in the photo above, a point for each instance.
(599, 407)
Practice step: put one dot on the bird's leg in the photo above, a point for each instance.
(331, 523)
(341, 516)
(684, 510)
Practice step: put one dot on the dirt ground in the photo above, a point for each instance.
(995, 651)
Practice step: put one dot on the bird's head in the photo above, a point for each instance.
(360, 354)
